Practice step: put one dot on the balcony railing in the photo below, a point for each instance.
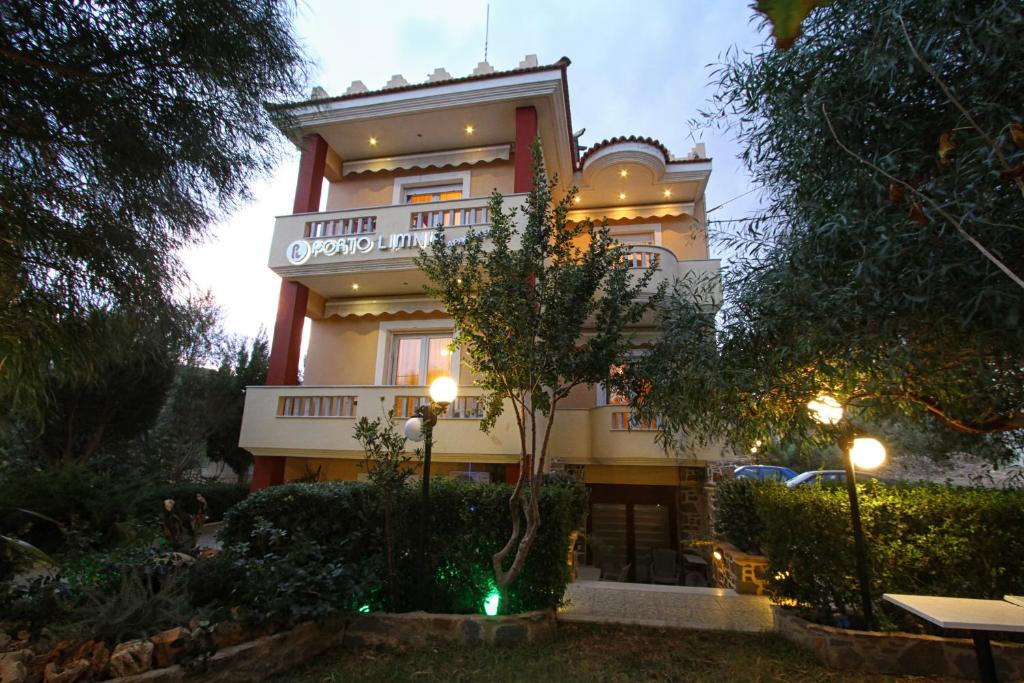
(624, 420)
(639, 257)
(462, 408)
(317, 406)
(340, 227)
(450, 218)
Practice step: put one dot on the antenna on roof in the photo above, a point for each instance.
(487, 30)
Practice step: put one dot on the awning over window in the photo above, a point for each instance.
(628, 212)
(455, 157)
(383, 305)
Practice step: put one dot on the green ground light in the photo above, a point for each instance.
(491, 602)
(364, 608)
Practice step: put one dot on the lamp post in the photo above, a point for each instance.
(867, 454)
(443, 391)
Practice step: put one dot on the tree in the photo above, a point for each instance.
(119, 404)
(388, 468)
(125, 129)
(884, 267)
(540, 309)
(242, 366)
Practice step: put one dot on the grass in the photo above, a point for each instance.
(588, 652)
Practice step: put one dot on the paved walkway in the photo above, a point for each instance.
(717, 609)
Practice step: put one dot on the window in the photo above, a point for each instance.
(420, 359)
(435, 193)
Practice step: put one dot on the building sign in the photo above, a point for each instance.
(301, 251)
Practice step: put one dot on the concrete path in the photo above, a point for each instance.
(715, 609)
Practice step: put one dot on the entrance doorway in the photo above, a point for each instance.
(627, 522)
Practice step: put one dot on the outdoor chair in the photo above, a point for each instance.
(664, 566)
(620, 576)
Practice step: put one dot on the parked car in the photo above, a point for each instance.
(829, 478)
(764, 472)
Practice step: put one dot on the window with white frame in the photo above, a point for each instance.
(419, 359)
(433, 193)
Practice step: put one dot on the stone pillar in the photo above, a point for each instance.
(291, 304)
(526, 132)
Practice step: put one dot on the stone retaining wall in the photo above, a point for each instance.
(259, 659)
(896, 653)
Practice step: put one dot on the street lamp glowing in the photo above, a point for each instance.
(825, 410)
(443, 390)
(867, 453)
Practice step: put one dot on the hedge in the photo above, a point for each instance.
(925, 539)
(95, 507)
(469, 522)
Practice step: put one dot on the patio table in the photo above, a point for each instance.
(977, 616)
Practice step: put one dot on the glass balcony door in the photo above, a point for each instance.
(417, 360)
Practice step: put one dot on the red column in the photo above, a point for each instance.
(526, 132)
(291, 305)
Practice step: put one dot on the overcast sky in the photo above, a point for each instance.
(638, 67)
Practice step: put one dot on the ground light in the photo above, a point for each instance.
(364, 609)
(491, 602)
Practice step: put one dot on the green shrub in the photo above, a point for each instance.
(933, 540)
(88, 504)
(469, 522)
(96, 509)
(736, 518)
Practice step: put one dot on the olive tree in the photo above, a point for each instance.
(126, 129)
(885, 265)
(541, 305)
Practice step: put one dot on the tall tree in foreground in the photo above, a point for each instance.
(885, 267)
(125, 129)
(540, 309)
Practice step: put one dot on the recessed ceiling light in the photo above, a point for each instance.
(577, 199)
(668, 193)
(623, 173)
(469, 130)
(373, 140)
(622, 195)
(355, 286)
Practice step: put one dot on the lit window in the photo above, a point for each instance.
(420, 359)
(438, 193)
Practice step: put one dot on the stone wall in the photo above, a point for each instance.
(237, 660)
(742, 572)
(896, 653)
(692, 509)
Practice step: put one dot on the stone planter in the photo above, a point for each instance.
(896, 653)
(263, 658)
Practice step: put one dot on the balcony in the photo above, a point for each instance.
(371, 251)
(701, 272)
(316, 248)
(318, 421)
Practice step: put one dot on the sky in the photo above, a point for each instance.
(639, 67)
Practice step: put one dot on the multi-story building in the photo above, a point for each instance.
(400, 161)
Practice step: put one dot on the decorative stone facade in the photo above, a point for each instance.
(691, 506)
(744, 573)
(896, 653)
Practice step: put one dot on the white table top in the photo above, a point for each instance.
(963, 613)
